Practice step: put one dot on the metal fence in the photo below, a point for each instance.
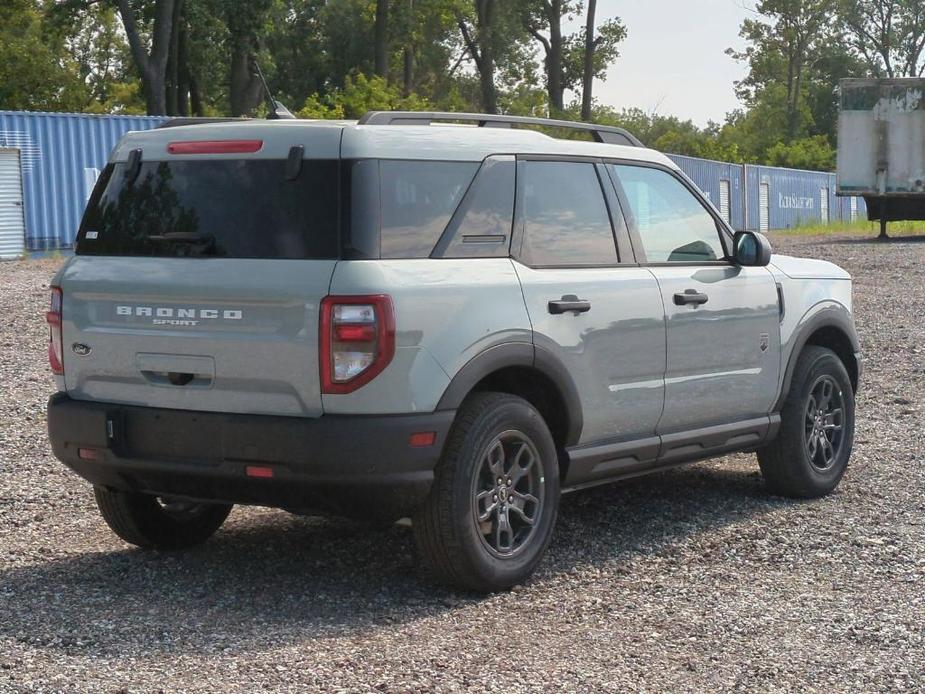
(60, 155)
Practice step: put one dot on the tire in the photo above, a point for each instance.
(149, 523)
(493, 432)
(793, 465)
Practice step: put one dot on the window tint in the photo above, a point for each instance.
(672, 223)
(481, 227)
(417, 199)
(565, 216)
(230, 208)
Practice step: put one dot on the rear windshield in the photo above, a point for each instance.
(225, 208)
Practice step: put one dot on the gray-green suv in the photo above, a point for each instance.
(394, 318)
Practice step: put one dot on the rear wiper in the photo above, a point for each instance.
(183, 237)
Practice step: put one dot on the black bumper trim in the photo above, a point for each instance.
(358, 465)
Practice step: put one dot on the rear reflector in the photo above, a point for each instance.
(258, 471)
(215, 147)
(89, 453)
(55, 340)
(422, 439)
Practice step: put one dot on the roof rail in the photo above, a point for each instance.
(602, 133)
(196, 120)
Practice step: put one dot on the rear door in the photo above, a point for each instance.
(723, 320)
(603, 320)
(197, 283)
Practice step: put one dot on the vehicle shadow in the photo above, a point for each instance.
(271, 579)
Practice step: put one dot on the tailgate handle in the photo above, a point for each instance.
(176, 369)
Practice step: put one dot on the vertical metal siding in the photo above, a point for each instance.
(707, 174)
(55, 150)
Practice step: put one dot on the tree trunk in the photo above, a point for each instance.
(172, 80)
(481, 48)
(408, 58)
(183, 72)
(554, 59)
(152, 67)
(485, 12)
(381, 39)
(245, 88)
(587, 82)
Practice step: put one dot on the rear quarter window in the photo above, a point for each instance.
(417, 200)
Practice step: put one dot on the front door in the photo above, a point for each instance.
(601, 319)
(723, 334)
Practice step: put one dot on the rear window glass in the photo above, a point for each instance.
(244, 208)
(417, 199)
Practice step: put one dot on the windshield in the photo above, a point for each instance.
(244, 208)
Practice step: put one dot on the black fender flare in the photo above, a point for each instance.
(523, 354)
(830, 317)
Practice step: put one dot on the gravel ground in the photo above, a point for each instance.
(691, 579)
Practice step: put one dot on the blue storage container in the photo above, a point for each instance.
(61, 155)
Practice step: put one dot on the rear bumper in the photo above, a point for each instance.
(357, 465)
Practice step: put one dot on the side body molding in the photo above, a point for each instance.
(517, 354)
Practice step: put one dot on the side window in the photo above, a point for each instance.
(417, 199)
(565, 216)
(673, 225)
(481, 227)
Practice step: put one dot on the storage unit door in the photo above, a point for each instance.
(724, 200)
(764, 217)
(824, 204)
(12, 224)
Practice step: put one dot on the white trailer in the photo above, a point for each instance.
(881, 146)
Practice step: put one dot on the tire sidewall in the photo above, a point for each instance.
(825, 363)
(518, 415)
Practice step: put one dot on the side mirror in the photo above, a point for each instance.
(751, 249)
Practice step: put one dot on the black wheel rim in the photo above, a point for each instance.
(824, 423)
(507, 494)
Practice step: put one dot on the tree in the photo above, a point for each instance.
(888, 34)
(381, 39)
(479, 36)
(36, 72)
(151, 62)
(246, 28)
(547, 14)
(571, 61)
(782, 45)
(587, 77)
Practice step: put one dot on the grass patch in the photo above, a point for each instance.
(859, 228)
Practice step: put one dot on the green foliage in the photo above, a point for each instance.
(359, 95)
(808, 153)
(36, 71)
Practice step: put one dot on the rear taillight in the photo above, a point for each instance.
(53, 318)
(357, 340)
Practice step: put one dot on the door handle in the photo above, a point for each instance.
(569, 304)
(690, 296)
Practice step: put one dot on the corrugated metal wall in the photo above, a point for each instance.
(60, 152)
(794, 196)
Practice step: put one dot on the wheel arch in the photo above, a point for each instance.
(527, 371)
(833, 329)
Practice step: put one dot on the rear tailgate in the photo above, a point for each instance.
(200, 266)
(220, 335)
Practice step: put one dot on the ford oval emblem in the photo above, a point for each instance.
(80, 349)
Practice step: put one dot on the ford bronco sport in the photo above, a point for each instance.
(410, 317)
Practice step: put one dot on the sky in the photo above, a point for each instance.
(673, 59)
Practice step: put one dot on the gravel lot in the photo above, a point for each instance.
(691, 579)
